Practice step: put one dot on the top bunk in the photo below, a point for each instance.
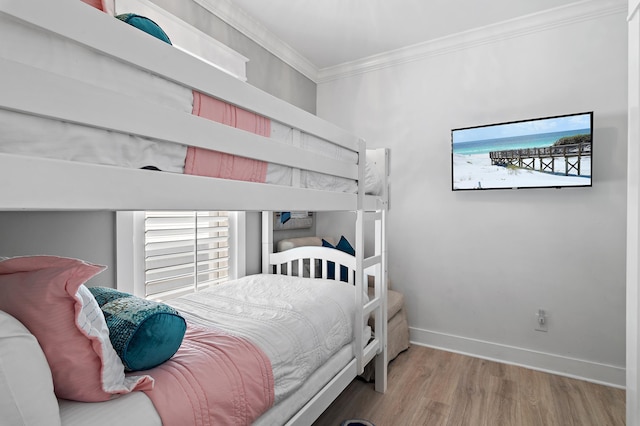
(98, 115)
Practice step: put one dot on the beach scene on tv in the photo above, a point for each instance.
(549, 152)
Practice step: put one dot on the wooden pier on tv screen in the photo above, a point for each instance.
(573, 155)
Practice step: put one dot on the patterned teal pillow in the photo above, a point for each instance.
(144, 333)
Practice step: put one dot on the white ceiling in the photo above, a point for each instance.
(332, 32)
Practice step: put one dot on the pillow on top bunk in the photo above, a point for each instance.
(345, 246)
(107, 6)
(145, 24)
(143, 333)
(26, 388)
(372, 179)
(47, 294)
(95, 3)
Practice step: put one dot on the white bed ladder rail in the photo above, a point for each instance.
(376, 267)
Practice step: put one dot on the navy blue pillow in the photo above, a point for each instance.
(145, 24)
(331, 266)
(345, 246)
(143, 333)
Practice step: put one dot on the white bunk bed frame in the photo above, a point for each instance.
(31, 183)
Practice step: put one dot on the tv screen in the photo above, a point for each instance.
(549, 152)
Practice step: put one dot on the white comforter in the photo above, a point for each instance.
(298, 322)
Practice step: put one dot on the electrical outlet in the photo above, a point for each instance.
(541, 320)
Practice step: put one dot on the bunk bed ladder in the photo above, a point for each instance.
(376, 267)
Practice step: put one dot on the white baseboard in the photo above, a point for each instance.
(604, 374)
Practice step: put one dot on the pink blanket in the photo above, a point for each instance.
(203, 162)
(213, 379)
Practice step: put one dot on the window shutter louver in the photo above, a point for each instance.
(185, 251)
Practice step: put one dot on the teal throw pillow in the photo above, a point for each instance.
(143, 333)
(145, 24)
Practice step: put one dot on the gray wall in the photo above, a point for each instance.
(264, 70)
(476, 266)
(91, 235)
(86, 236)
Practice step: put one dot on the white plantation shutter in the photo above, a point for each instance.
(185, 251)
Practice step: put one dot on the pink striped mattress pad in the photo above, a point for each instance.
(204, 162)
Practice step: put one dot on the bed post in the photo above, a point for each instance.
(381, 362)
(360, 320)
(267, 241)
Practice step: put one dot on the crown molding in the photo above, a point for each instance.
(541, 21)
(250, 27)
(527, 24)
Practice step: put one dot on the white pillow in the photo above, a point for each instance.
(26, 386)
(372, 178)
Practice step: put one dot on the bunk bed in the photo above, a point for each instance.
(75, 106)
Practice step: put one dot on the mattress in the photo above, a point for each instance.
(41, 137)
(131, 409)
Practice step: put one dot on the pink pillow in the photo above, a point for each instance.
(107, 6)
(95, 3)
(46, 294)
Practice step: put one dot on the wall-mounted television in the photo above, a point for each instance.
(547, 152)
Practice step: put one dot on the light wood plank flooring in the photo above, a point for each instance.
(433, 387)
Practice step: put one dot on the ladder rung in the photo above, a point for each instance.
(371, 350)
(371, 306)
(371, 261)
(373, 215)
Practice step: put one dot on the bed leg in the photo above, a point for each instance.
(381, 371)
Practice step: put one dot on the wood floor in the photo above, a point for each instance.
(433, 387)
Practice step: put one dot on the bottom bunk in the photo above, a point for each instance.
(265, 349)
